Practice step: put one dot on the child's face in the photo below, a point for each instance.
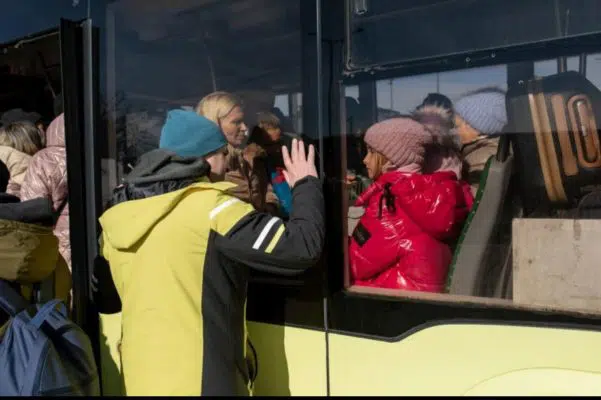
(466, 132)
(374, 162)
(274, 133)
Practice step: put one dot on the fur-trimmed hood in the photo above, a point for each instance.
(439, 121)
(444, 152)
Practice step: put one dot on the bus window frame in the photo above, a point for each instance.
(368, 312)
(564, 47)
(467, 56)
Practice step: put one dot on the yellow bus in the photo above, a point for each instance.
(512, 321)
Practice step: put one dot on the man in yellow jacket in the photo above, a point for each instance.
(180, 248)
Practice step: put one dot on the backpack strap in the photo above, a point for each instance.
(43, 314)
(11, 302)
(44, 291)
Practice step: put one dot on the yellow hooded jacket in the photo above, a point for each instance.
(180, 263)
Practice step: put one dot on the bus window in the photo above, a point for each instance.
(403, 95)
(488, 257)
(551, 67)
(352, 92)
(289, 108)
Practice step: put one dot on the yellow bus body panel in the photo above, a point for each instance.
(452, 360)
(292, 361)
(468, 359)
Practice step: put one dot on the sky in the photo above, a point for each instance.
(404, 94)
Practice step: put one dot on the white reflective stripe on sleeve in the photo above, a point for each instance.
(222, 207)
(264, 232)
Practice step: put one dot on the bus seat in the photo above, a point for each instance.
(471, 264)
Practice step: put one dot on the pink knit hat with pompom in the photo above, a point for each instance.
(401, 140)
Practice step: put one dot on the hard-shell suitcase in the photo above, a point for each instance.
(555, 123)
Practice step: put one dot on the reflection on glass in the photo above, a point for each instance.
(162, 56)
(27, 17)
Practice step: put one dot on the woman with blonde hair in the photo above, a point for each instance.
(19, 141)
(225, 109)
(244, 166)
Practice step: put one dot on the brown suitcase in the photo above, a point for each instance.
(555, 121)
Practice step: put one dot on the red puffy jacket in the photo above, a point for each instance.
(401, 242)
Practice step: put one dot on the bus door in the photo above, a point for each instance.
(161, 55)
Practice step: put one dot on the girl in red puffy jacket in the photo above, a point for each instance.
(402, 240)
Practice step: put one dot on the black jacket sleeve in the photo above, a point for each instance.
(267, 243)
(104, 293)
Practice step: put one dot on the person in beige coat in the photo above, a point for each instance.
(19, 141)
(47, 177)
(480, 118)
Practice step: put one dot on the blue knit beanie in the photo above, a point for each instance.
(188, 134)
(484, 110)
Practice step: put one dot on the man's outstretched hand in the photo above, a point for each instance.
(298, 165)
